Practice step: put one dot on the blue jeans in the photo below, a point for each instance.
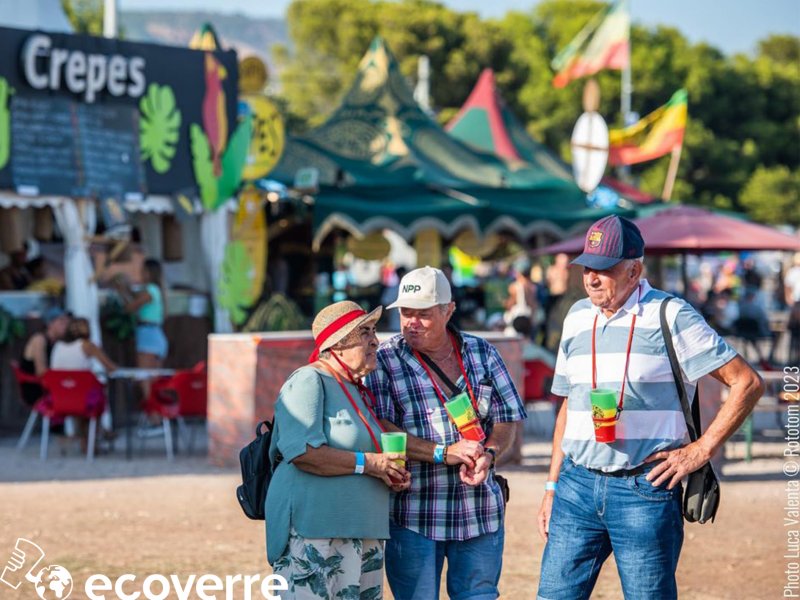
(414, 565)
(594, 514)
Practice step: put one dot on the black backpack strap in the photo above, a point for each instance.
(690, 413)
(453, 387)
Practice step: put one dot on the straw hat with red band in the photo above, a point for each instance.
(333, 323)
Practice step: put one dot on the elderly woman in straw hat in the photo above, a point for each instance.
(327, 509)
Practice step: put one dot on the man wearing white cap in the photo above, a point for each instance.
(455, 506)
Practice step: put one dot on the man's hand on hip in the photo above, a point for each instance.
(677, 464)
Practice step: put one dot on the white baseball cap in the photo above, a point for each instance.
(422, 288)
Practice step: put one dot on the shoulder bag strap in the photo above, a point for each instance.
(690, 414)
(447, 381)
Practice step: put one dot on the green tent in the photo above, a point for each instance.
(384, 163)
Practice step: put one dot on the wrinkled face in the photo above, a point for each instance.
(425, 329)
(610, 288)
(359, 349)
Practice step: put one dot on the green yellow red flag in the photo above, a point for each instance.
(604, 43)
(655, 135)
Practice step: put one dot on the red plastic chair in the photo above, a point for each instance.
(73, 394)
(537, 372)
(182, 396)
(38, 408)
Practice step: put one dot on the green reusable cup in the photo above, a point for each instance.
(395, 442)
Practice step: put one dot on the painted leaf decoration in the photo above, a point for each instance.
(235, 285)
(159, 127)
(5, 122)
(233, 161)
(203, 167)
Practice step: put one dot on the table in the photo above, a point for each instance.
(125, 376)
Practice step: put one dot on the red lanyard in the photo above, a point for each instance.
(366, 394)
(358, 410)
(460, 366)
(627, 360)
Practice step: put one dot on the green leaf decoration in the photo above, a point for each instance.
(116, 321)
(159, 127)
(11, 327)
(233, 161)
(278, 313)
(203, 167)
(235, 285)
(5, 122)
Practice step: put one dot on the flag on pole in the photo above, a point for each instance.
(604, 43)
(655, 135)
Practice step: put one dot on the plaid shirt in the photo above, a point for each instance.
(438, 505)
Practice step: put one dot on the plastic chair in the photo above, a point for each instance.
(73, 394)
(182, 396)
(38, 407)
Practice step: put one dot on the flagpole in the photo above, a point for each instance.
(626, 91)
(672, 172)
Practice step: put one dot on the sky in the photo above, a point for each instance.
(730, 25)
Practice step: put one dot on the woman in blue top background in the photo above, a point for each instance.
(148, 305)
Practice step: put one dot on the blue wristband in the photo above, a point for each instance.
(438, 454)
(359, 470)
(550, 486)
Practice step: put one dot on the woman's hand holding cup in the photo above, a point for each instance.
(388, 468)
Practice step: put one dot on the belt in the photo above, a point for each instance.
(640, 470)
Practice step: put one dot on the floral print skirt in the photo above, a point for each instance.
(331, 569)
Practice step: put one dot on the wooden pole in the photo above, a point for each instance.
(672, 173)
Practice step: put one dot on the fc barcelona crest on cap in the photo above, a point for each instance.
(609, 241)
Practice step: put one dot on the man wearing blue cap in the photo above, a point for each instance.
(624, 496)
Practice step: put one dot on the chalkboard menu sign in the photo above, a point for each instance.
(88, 150)
(92, 117)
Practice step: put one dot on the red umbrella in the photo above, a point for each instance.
(692, 230)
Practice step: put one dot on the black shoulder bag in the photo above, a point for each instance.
(501, 481)
(702, 493)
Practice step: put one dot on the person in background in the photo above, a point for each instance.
(148, 305)
(76, 351)
(15, 275)
(35, 359)
(327, 507)
(521, 302)
(791, 283)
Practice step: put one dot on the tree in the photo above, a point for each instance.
(744, 112)
(772, 195)
(86, 16)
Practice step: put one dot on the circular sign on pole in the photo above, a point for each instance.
(589, 145)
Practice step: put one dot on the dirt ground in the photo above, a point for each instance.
(147, 516)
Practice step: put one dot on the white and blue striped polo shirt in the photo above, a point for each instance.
(652, 418)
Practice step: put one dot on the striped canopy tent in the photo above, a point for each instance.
(486, 123)
(384, 163)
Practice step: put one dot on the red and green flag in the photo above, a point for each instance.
(604, 43)
(653, 136)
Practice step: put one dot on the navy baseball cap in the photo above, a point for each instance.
(610, 241)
